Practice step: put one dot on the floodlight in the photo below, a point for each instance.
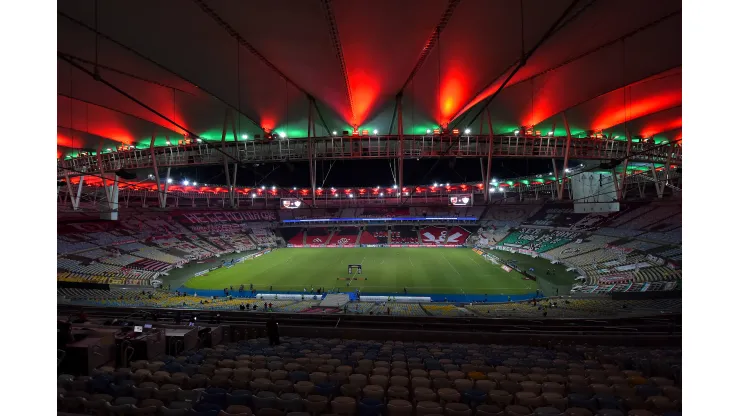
(169, 180)
(282, 135)
(467, 131)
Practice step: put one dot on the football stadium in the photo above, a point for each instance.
(376, 208)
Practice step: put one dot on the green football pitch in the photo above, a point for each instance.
(386, 270)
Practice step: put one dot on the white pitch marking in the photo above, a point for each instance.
(453, 267)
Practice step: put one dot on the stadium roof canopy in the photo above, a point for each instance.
(609, 65)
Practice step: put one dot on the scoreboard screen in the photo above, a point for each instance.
(461, 200)
(290, 203)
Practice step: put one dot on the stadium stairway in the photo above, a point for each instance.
(334, 300)
(304, 236)
(447, 234)
(390, 238)
(331, 234)
(359, 236)
(252, 239)
(418, 235)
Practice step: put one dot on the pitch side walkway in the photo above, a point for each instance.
(454, 298)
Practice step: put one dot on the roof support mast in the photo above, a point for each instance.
(620, 194)
(311, 160)
(399, 106)
(161, 196)
(111, 191)
(230, 183)
(561, 183)
(487, 183)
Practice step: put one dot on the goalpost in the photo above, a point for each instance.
(351, 268)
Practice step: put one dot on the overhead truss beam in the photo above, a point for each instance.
(375, 147)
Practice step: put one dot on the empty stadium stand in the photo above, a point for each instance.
(344, 236)
(401, 234)
(317, 235)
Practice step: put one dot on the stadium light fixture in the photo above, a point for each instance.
(395, 186)
(263, 186)
(567, 170)
(169, 180)
(245, 137)
(549, 173)
(435, 184)
(336, 195)
(501, 189)
(492, 190)
(447, 184)
(199, 140)
(351, 196)
(467, 131)
(375, 131)
(283, 135)
(195, 183)
(581, 164)
(253, 195)
(319, 188)
(616, 137)
(550, 133)
(516, 132)
(186, 182)
(294, 188)
(334, 133)
(168, 143)
(429, 131)
(273, 187)
(381, 194)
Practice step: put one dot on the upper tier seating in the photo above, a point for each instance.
(503, 216)
(66, 246)
(373, 212)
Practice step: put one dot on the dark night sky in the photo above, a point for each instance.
(365, 173)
